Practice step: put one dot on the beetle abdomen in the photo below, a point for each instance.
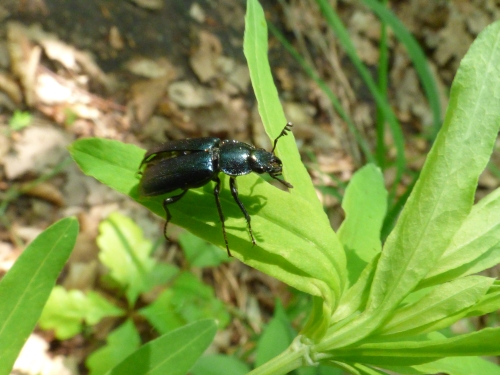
(182, 172)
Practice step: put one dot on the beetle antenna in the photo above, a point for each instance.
(286, 129)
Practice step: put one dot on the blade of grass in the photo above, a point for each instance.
(326, 89)
(417, 56)
(383, 69)
(338, 28)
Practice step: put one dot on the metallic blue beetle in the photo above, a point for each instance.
(192, 163)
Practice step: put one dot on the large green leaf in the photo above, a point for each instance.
(27, 286)
(171, 354)
(291, 244)
(443, 196)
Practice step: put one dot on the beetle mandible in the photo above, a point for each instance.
(192, 163)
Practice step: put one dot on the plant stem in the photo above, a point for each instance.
(292, 358)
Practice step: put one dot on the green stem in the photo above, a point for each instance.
(295, 356)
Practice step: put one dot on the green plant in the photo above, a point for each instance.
(26, 287)
(378, 90)
(132, 271)
(386, 310)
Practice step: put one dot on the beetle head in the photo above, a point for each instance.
(262, 161)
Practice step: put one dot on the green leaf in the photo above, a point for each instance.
(460, 366)
(355, 298)
(330, 253)
(443, 196)
(475, 247)
(443, 301)
(98, 308)
(171, 354)
(218, 364)
(126, 253)
(26, 287)
(291, 246)
(276, 337)
(481, 343)
(365, 206)
(488, 303)
(256, 49)
(120, 343)
(161, 314)
(66, 311)
(186, 301)
(200, 253)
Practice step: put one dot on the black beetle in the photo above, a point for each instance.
(192, 163)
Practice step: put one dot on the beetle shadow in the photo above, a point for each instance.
(200, 203)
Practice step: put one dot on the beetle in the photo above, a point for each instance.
(194, 162)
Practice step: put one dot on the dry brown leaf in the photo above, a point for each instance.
(145, 96)
(204, 60)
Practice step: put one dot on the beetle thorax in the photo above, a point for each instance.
(233, 157)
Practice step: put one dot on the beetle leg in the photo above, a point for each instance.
(166, 202)
(234, 192)
(221, 215)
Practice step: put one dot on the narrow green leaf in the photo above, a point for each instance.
(487, 304)
(270, 109)
(481, 343)
(27, 286)
(171, 354)
(256, 50)
(475, 247)
(443, 301)
(460, 366)
(365, 206)
(120, 343)
(292, 245)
